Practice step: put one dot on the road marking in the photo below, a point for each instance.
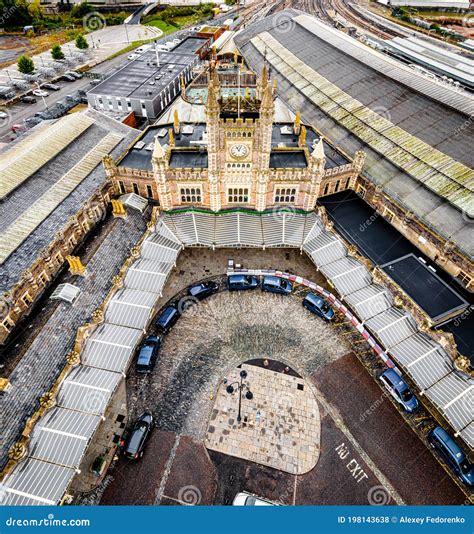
(166, 472)
(336, 417)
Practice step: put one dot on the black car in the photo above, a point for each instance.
(452, 454)
(147, 356)
(203, 290)
(241, 282)
(167, 319)
(28, 99)
(134, 447)
(51, 87)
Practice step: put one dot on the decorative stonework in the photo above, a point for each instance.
(17, 452)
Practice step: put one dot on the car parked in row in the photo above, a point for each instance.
(147, 355)
(167, 319)
(134, 446)
(68, 78)
(40, 92)
(28, 100)
(74, 74)
(452, 454)
(320, 307)
(203, 290)
(239, 282)
(51, 87)
(399, 390)
(273, 284)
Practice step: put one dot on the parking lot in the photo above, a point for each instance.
(368, 453)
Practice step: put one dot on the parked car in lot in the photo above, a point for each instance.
(28, 99)
(68, 78)
(399, 390)
(132, 57)
(147, 355)
(134, 446)
(51, 87)
(40, 92)
(203, 290)
(318, 306)
(452, 454)
(273, 284)
(167, 319)
(247, 499)
(74, 74)
(95, 81)
(238, 282)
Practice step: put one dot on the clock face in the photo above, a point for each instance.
(239, 151)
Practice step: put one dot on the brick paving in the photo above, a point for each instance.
(280, 425)
(45, 357)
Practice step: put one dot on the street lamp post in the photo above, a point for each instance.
(240, 387)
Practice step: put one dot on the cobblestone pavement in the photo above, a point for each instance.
(216, 336)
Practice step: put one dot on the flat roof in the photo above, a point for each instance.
(190, 45)
(142, 78)
(288, 159)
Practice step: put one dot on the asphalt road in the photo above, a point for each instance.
(19, 112)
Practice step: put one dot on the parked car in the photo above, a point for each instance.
(74, 74)
(238, 282)
(134, 447)
(273, 284)
(40, 92)
(247, 499)
(203, 290)
(51, 87)
(147, 355)
(95, 81)
(167, 319)
(28, 99)
(3, 115)
(399, 390)
(318, 306)
(68, 78)
(452, 454)
(132, 57)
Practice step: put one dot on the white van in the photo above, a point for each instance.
(247, 499)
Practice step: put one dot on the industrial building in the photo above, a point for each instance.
(148, 84)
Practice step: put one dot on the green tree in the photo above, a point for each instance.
(81, 42)
(81, 10)
(57, 52)
(25, 65)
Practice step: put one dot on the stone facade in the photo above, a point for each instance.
(18, 302)
(239, 169)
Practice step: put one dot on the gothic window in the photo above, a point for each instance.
(190, 195)
(347, 183)
(8, 324)
(121, 187)
(466, 280)
(149, 191)
(326, 189)
(27, 300)
(285, 194)
(338, 184)
(238, 195)
(135, 188)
